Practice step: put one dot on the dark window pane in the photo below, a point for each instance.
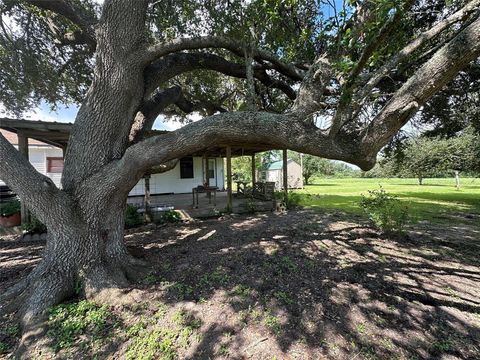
(186, 168)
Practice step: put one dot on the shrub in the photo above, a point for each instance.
(35, 226)
(170, 216)
(294, 198)
(9, 208)
(385, 210)
(132, 217)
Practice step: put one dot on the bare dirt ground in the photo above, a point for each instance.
(301, 285)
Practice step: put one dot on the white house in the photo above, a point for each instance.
(187, 174)
(45, 158)
(274, 173)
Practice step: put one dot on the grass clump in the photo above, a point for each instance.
(68, 322)
(152, 344)
(385, 211)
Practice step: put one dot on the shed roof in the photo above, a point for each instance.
(278, 165)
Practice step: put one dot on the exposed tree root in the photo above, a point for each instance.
(50, 284)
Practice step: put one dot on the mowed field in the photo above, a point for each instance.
(437, 200)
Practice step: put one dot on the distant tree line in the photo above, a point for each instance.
(424, 157)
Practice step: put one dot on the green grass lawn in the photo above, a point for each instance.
(436, 200)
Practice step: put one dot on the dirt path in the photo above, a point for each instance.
(302, 285)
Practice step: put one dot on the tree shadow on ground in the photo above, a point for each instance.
(322, 287)
(313, 285)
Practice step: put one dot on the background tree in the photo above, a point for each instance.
(434, 157)
(368, 69)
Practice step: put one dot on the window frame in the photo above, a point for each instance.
(50, 167)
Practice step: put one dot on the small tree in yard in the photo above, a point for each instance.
(369, 69)
(425, 157)
(311, 165)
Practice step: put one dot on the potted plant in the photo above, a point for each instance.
(10, 213)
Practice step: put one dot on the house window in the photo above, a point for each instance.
(54, 165)
(186, 168)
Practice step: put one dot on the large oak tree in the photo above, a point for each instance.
(364, 72)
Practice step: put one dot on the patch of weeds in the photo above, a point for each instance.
(137, 307)
(135, 329)
(68, 322)
(148, 344)
(382, 258)
(386, 343)
(183, 318)
(11, 330)
(368, 352)
(243, 315)
(181, 291)
(218, 277)
(361, 328)
(3, 347)
(271, 321)
(223, 350)
(242, 290)
(287, 264)
(151, 279)
(188, 324)
(283, 297)
(161, 311)
(255, 314)
(442, 346)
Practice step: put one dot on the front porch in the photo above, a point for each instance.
(206, 207)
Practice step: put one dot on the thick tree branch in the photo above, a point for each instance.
(175, 64)
(347, 107)
(216, 42)
(73, 13)
(154, 106)
(37, 190)
(442, 67)
(415, 45)
(236, 128)
(240, 128)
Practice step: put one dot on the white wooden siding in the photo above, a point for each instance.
(170, 181)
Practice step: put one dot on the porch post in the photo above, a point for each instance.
(285, 176)
(23, 148)
(253, 170)
(146, 200)
(229, 178)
